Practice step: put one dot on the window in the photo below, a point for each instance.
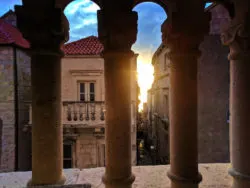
(82, 91)
(67, 156)
(87, 91)
(92, 92)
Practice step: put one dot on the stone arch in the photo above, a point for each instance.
(161, 3)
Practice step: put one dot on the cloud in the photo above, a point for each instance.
(82, 16)
(151, 16)
(85, 6)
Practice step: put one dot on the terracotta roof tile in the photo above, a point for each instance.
(11, 35)
(86, 46)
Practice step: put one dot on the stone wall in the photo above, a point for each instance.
(24, 98)
(1, 133)
(213, 88)
(11, 19)
(86, 150)
(7, 109)
(78, 69)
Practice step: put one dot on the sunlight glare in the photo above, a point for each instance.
(145, 77)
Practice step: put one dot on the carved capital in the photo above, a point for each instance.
(237, 37)
(46, 29)
(183, 35)
(117, 31)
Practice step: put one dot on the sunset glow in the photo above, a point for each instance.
(145, 76)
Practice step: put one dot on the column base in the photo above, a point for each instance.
(118, 183)
(239, 180)
(61, 181)
(182, 182)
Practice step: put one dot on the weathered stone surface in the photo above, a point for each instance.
(213, 101)
(214, 176)
(24, 95)
(7, 109)
(20, 179)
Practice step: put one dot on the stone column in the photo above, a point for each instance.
(182, 33)
(118, 36)
(238, 39)
(43, 26)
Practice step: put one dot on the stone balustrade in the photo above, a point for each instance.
(77, 114)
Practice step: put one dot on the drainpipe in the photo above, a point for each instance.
(16, 105)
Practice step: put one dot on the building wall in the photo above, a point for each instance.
(213, 88)
(213, 91)
(24, 99)
(86, 150)
(7, 109)
(134, 107)
(160, 103)
(11, 19)
(89, 148)
(76, 69)
(161, 83)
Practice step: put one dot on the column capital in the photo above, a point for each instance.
(117, 31)
(237, 36)
(184, 34)
(45, 28)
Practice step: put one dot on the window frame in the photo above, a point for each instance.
(87, 91)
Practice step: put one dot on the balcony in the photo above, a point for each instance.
(78, 114)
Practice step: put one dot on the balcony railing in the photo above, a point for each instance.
(77, 114)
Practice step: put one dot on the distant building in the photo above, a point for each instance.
(213, 95)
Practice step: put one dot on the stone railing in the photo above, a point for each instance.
(83, 114)
(77, 114)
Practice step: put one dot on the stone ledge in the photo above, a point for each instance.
(214, 176)
(63, 186)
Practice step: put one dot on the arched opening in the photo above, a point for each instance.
(150, 18)
(83, 88)
(161, 3)
(82, 17)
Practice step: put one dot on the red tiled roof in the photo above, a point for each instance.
(87, 46)
(11, 35)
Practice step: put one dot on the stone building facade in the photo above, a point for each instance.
(213, 94)
(14, 68)
(83, 89)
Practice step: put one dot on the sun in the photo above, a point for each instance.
(145, 78)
